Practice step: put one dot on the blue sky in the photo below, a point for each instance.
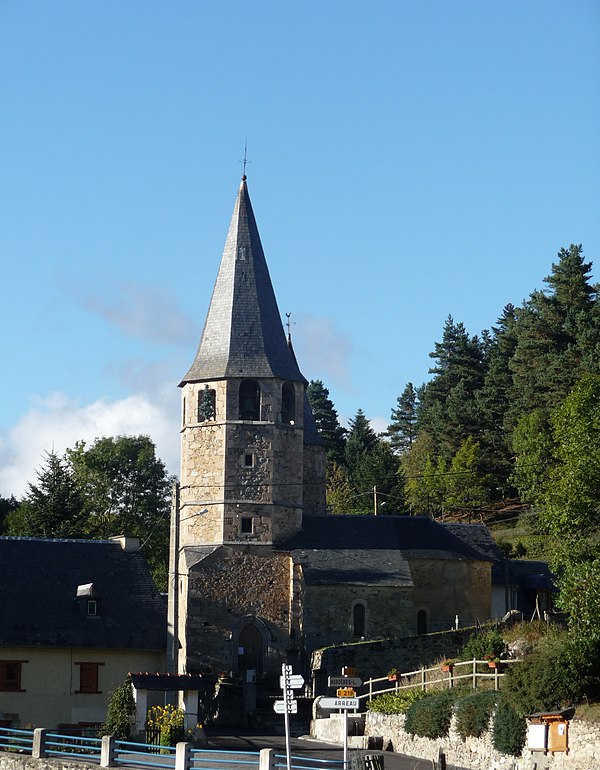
(408, 161)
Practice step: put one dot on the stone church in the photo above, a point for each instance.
(260, 573)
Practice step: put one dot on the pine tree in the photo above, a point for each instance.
(558, 337)
(340, 492)
(326, 419)
(403, 428)
(361, 439)
(465, 487)
(54, 507)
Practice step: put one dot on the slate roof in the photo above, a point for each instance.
(371, 550)
(529, 575)
(478, 536)
(38, 586)
(243, 335)
(354, 567)
(416, 536)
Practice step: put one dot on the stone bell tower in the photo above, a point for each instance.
(243, 425)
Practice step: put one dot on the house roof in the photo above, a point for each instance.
(39, 580)
(168, 682)
(243, 335)
(529, 575)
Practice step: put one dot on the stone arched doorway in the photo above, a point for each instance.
(251, 643)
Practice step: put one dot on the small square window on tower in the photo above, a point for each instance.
(248, 460)
(247, 525)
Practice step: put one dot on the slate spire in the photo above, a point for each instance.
(243, 335)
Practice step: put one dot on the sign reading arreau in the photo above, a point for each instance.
(338, 703)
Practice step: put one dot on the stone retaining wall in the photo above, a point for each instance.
(478, 753)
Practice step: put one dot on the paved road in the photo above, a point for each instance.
(250, 741)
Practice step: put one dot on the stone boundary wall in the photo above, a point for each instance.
(375, 659)
(10, 761)
(478, 753)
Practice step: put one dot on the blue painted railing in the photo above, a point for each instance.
(16, 740)
(144, 754)
(308, 763)
(58, 745)
(213, 759)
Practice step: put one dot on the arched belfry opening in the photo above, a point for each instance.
(288, 403)
(249, 400)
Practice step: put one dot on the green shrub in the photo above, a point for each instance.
(395, 703)
(559, 671)
(473, 713)
(508, 734)
(430, 717)
(120, 712)
(481, 645)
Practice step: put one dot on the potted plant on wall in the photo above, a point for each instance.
(447, 664)
(392, 675)
(493, 661)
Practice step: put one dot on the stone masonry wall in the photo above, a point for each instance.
(478, 753)
(228, 586)
(375, 659)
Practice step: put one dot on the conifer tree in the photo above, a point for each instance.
(326, 419)
(403, 428)
(54, 507)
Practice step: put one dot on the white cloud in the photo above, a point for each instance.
(56, 422)
(323, 350)
(144, 312)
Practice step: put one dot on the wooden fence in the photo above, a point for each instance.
(473, 672)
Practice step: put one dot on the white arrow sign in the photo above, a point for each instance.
(338, 703)
(295, 681)
(279, 707)
(344, 681)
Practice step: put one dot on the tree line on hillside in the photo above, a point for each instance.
(457, 443)
(115, 486)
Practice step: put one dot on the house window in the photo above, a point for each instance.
(248, 460)
(359, 620)
(10, 675)
(88, 677)
(421, 622)
(92, 608)
(288, 403)
(249, 400)
(246, 525)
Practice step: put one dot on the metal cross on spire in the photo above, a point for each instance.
(245, 161)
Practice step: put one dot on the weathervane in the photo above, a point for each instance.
(288, 323)
(245, 161)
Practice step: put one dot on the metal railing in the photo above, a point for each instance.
(143, 754)
(205, 759)
(20, 741)
(307, 763)
(58, 745)
(476, 673)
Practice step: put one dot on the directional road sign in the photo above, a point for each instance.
(344, 681)
(279, 707)
(295, 681)
(346, 692)
(338, 703)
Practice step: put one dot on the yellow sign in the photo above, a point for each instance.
(345, 692)
(347, 671)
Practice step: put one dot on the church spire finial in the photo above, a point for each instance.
(245, 161)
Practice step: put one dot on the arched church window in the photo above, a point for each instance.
(288, 403)
(206, 404)
(421, 622)
(249, 400)
(359, 617)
